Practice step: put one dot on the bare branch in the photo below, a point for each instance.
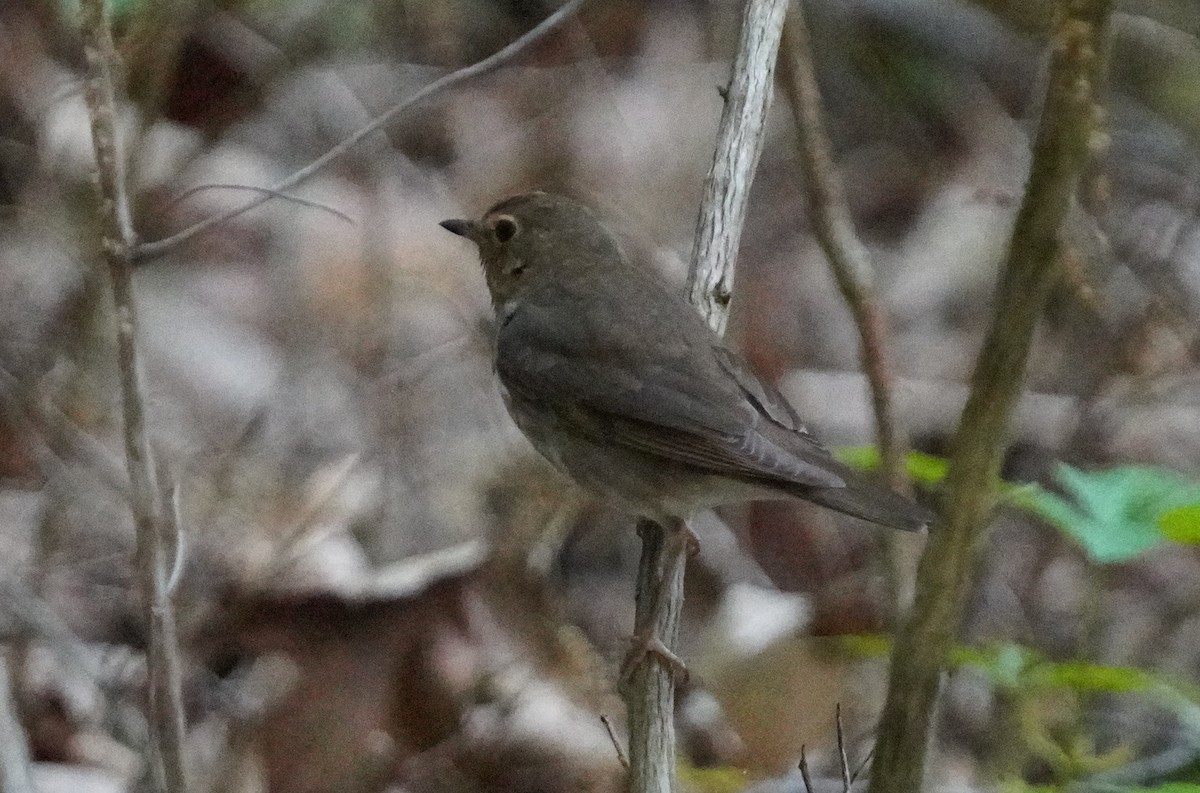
(850, 262)
(166, 718)
(848, 257)
(650, 694)
(489, 64)
(304, 202)
(650, 689)
(739, 145)
(862, 766)
(169, 503)
(944, 577)
(843, 761)
(167, 677)
(804, 773)
(612, 736)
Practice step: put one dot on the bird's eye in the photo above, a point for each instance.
(504, 229)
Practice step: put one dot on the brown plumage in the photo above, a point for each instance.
(618, 381)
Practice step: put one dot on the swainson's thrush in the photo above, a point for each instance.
(619, 383)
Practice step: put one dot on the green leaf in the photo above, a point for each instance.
(864, 458)
(1083, 676)
(923, 468)
(1181, 524)
(1019, 495)
(1004, 664)
(719, 779)
(1169, 787)
(1015, 666)
(1114, 515)
(865, 645)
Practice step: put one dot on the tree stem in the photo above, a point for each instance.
(944, 575)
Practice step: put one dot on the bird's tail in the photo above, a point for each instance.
(870, 502)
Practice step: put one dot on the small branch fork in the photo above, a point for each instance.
(848, 776)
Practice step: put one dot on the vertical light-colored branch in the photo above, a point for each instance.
(650, 695)
(850, 262)
(15, 776)
(739, 145)
(650, 691)
(944, 576)
(116, 246)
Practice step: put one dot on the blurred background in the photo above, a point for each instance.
(380, 585)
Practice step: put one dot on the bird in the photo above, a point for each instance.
(617, 381)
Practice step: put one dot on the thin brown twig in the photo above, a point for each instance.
(149, 250)
(849, 259)
(169, 698)
(850, 263)
(843, 761)
(169, 503)
(116, 248)
(861, 766)
(612, 736)
(294, 199)
(922, 647)
(804, 773)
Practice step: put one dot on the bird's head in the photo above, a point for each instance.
(532, 237)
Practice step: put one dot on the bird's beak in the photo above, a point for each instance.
(463, 228)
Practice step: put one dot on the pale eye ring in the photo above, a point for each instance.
(505, 228)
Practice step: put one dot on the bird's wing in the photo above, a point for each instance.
(684, 399)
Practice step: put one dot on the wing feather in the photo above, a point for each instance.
(690, 403)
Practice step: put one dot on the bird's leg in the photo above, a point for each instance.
(681, 542)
